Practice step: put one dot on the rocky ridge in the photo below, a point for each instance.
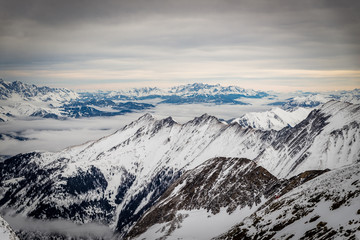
(219, 184)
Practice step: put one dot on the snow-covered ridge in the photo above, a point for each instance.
(275, 119)
(327, 138)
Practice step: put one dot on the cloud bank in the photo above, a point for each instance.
(66, 228)
(115, 44)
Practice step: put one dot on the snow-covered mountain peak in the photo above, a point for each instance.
(204, 119)
(333, 106)
(169, 121)
(275, 118)
(145, 117)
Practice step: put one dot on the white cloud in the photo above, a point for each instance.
(67, 228)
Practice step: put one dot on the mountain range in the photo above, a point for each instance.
(20, 100)
(158, 178)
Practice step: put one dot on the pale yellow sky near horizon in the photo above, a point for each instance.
(254, 79)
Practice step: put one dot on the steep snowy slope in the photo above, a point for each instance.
(115, 179)
(210, 198)
(275, 119)
(327, 207)
(328, 138)
(6, 232)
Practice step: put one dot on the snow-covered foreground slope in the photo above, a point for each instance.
(275, 119)
(115, 179)
(327, 207)
(6, 232)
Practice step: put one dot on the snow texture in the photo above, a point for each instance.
(6, 232)
(275, 119)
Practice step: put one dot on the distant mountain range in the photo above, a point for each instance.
(190, 93)
(19, 100)
(161, 179)
(23, 100)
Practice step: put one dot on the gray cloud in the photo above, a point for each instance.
(67, 228)
(161, 39)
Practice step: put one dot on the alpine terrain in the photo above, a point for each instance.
(158, 178)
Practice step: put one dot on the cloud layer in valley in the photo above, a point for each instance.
(55, 135)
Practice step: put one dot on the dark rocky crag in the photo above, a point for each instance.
(219, 182)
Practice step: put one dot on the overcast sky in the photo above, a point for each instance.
(270, 44)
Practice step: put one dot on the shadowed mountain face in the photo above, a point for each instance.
(116, 179)
(219, 184)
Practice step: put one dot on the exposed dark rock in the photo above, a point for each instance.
(219, 182)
